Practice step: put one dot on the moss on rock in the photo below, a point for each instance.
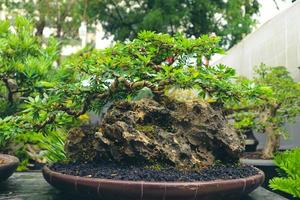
(186, 135)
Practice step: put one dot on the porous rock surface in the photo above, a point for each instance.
(186, 135)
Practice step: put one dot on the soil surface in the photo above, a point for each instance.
(133, 173)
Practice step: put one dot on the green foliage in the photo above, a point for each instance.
(289, 162)
(7, 131)
(278, 103)
(27, 74)
(52, 99)
(63, 16)
(158, 62)
(23, 62)
(283, 103)
(245, 112)
(230, 19)
(53, 146)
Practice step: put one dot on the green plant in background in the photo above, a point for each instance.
(289, 162)
(27, 71)
(231, 20)
(24, 63)
(44, 13)
(281, 107)
(242, 113)
(276, 106)
(54, 146)
(126, 19)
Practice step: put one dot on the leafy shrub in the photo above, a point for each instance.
(289, 162)
(279, 104)
(27, 71)
(53, 146)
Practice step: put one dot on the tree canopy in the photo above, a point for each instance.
(278, 105)
(64, 16)
(230, 19)
(27, 70)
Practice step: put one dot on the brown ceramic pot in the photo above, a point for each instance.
(8, 167)
(108, 189)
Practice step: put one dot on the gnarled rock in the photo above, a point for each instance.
(186, 135)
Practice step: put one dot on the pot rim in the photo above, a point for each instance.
(258, 162)
(259, 176)
(8, 160)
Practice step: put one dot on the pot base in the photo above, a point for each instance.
(136, 190)
(9, 165)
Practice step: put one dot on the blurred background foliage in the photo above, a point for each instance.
(231, 20)
(28, 68)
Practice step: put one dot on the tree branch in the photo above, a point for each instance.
(49, 120)
(276, 4)
(113, 87)
(9, 90)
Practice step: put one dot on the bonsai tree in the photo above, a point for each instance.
(23, 63)
(27, 70)
(273, 109)
(281, 107)
(130, 83)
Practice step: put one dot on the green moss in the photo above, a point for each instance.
(156, 167)
(145, 128)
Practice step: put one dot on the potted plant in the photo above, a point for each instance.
(148, 143)
(281, 107)
(271, 113)
(27, 69)
(8, 165)
(244, 123)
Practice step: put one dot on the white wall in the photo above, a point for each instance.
(275, 43)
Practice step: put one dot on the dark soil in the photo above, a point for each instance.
(133, 173)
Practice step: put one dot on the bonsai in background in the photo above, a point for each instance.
(128, 86)
(27, 70)
(242, 116)
(289, 162)
(24, 63)
(280, 107)
(277, 106)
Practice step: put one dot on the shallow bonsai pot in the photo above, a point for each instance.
(267, 166)
(108, 189)
(270, 170)
(8, 167)
(251, 141)
(250, 145)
